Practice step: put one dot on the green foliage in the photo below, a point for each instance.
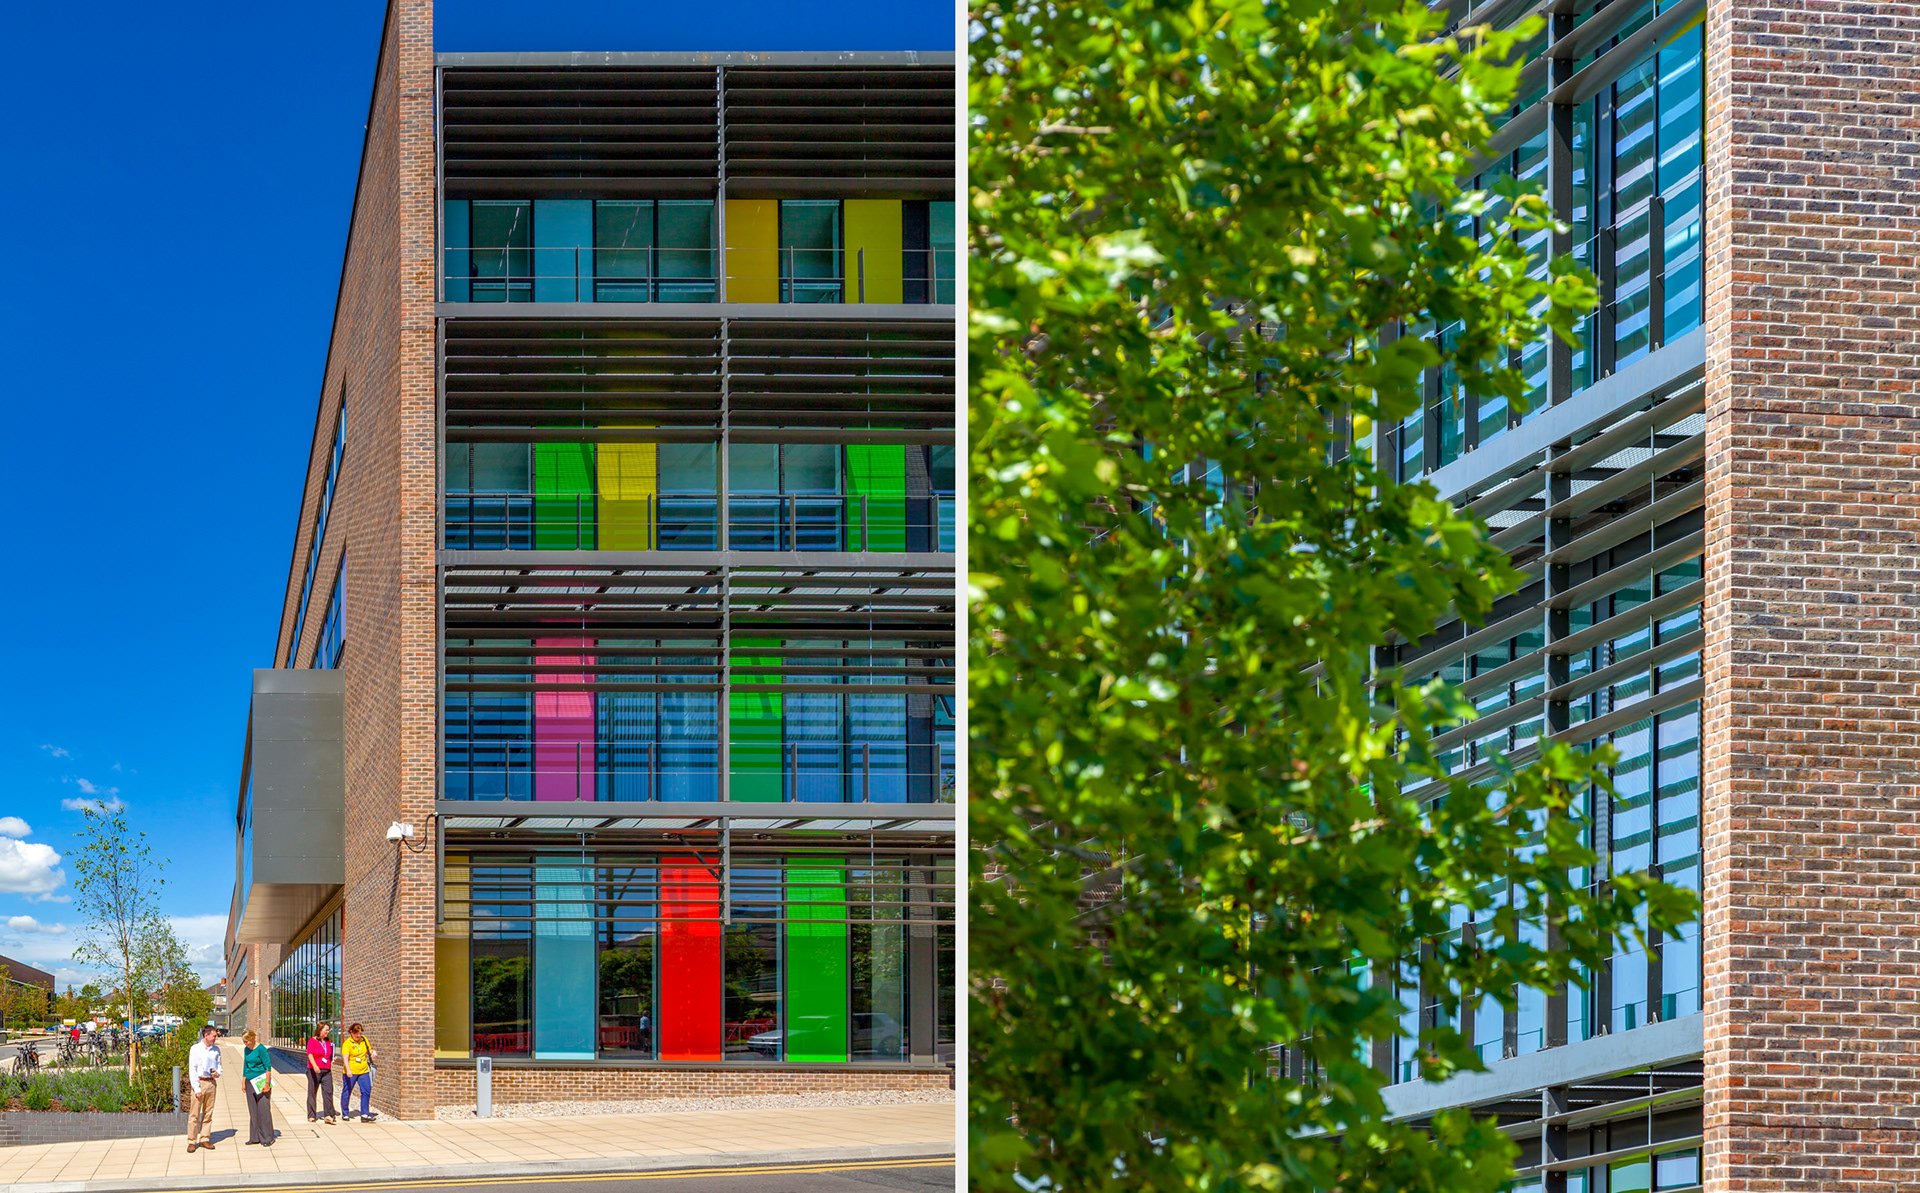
(116, 894)
(38, 1094)
(152, 1079)
(1194, 228)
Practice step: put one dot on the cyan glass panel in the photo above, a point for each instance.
(685, 264)
(810, 250)
(563, 988)
(689, 484)
(623, 250)
(502, 467)
(941, 229)
(500, 263)
(563, 250)
(810, 468)
(454, 237)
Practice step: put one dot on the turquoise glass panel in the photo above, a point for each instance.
(563, 963)
(563, 250)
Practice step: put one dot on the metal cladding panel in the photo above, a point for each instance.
(298, 792)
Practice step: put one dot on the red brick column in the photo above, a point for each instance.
(1812, 818)
(383, 355)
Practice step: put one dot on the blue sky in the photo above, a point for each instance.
(179, 187)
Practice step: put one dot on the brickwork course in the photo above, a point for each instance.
(1810, 740)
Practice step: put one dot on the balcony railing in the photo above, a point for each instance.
(645, 773)
(510, 521)
(685, 275)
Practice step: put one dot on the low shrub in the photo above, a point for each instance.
(38, 1095)
(153, 1081)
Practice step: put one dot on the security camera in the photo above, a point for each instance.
(398, 831)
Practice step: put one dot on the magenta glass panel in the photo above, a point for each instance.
(563, 724)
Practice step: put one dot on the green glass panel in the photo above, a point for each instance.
(754, 729)
(879, 474)
(816, 965)
(563, 503)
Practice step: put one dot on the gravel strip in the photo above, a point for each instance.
(882, 1097)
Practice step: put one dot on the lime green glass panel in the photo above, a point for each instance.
(563, 503)
(754, 729)
(816, 965)
(879, 474)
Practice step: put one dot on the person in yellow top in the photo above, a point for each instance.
(360, 1056)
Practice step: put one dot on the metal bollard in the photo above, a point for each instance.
(176, 1089)
(483, 1087)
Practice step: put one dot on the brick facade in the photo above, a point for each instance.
(525, 1083)
(382, 528)
(1812, 818)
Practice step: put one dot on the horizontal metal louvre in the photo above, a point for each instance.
(579, 133)
(846, 131)
(786, 373)
(888, 630)
(854, 381)
(506, 378)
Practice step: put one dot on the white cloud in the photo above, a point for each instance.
(91, 789)
(206, 939)
(57, 752)
(30, 869)
(13, 826)
(106, 807)
(26, 923)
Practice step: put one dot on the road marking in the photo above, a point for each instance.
(561, 1178)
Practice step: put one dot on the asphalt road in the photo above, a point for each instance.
(850, 1176)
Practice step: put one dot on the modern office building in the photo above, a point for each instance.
(609, 730)
(1712, 496)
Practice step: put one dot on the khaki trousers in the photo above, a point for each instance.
(200, 1117)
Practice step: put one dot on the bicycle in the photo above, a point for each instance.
(27, 1060)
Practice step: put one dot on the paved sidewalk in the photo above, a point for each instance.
(413, 1149)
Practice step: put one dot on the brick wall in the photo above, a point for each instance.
(381, 365)
(1812, 820)
(521, 1084)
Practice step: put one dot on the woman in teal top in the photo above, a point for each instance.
(259, 1101)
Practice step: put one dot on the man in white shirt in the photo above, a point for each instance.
(203, 1079)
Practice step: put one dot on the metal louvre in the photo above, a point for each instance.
(580, 133)
(889, 631)
(610, 380)
(857, 132)
(893, 375)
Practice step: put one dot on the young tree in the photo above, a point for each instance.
(116, 894)
(1197, 231)
(31, 1005)
(9, 995)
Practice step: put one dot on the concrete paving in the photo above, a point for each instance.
(306, 1153)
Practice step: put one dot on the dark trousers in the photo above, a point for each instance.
(259, 1116)
(322, 1084)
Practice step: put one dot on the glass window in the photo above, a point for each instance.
(751, 961)
(623, 264)
(628, 935)
(500, 261)
(502, 953)
(685, 235)
(811, 269)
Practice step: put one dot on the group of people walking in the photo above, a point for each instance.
(256, 1071)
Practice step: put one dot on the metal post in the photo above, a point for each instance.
(483, 1087)
(720, 183)
(1656, 273)
(860, 261)
(176, 1087)
(726, 870)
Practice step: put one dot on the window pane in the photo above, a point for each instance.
(623, 250)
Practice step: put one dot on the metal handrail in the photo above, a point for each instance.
(516, 270)
(756, 522)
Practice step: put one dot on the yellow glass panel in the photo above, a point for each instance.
(874, 246)
(753, 250)
(629, 476)
(452, 997)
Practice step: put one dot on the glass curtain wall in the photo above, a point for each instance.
(629, 955)
(1636, 211)
(305, 987)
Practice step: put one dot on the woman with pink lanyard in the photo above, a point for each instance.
(320, 1070)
